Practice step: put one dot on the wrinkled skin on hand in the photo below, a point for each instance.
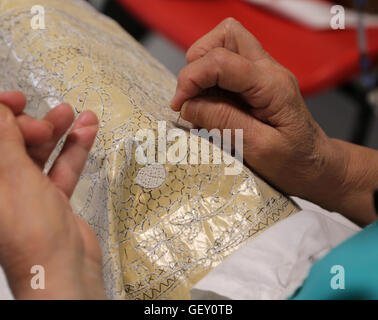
(282, 142)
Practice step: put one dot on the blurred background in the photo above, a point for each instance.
(337, 69)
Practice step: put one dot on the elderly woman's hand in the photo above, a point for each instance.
(37, 225)
(282, 142)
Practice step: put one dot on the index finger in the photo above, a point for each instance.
(67, 168)
(227, 70)
(229, 34)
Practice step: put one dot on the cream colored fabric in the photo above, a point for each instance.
(161, 227)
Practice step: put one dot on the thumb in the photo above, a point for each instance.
(211, 112)
(215, 112)
(11, 140)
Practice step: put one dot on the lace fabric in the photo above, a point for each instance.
(161, 227)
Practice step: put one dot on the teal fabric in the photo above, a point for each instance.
(357, 258)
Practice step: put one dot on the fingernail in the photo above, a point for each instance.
(173, 104)
(5, 114)
(183, 109)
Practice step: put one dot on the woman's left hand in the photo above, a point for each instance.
(37, 225)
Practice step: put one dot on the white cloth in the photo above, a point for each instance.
(275, 263)
(314, 14)
(5, 293)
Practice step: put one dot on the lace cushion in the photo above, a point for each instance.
(161, 227)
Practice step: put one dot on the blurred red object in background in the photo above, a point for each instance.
(320, 59)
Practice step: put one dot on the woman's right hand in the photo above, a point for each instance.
(282, 141)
